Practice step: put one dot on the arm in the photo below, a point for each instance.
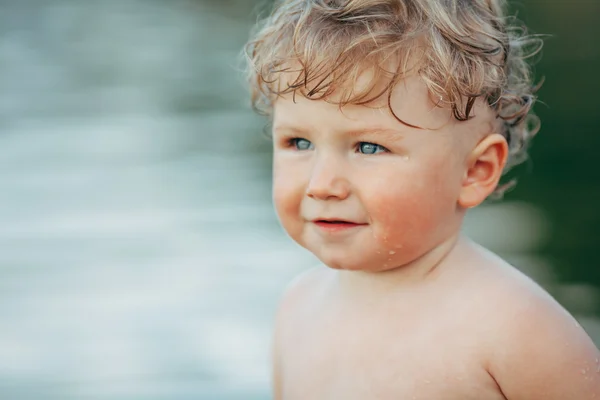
(544, 354)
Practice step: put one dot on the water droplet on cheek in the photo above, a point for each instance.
(392, 252)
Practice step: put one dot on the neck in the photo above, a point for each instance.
(425, 268)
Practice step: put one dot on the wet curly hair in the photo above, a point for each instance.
(467, 49)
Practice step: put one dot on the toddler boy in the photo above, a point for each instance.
(392, 118)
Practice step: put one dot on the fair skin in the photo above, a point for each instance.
(408, 308)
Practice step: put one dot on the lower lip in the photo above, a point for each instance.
(337, 226)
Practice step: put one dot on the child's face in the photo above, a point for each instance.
(395, 187)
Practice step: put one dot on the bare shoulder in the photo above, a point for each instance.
(536, 349)
(294, 303)
(299, 298)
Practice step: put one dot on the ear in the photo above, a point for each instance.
(485, 164)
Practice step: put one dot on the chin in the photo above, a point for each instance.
(343, 263)
(374, 264)
(344, 267)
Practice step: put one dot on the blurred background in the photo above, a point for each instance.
(140, 257)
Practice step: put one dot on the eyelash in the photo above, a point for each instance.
(293, 143)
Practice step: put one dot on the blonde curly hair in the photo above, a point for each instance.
(467, 49)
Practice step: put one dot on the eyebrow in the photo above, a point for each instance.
(351, 132)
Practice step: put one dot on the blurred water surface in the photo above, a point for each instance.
(139, 254)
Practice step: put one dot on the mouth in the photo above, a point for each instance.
(334, 225)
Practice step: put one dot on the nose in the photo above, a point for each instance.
(328, 180)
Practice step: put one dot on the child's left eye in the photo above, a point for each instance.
(370, 148)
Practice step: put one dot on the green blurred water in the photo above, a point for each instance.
(563, 177)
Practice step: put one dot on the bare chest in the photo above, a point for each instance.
(383, 356)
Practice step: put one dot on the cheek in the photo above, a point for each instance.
(287, 193)
(410, 209)
(401, 217)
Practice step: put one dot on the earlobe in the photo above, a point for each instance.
(485, 164)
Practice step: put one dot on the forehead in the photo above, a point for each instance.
(409, 99)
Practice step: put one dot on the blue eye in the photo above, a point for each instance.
(370, 148)
(301, 144)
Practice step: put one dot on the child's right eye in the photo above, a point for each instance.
(301, 144)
